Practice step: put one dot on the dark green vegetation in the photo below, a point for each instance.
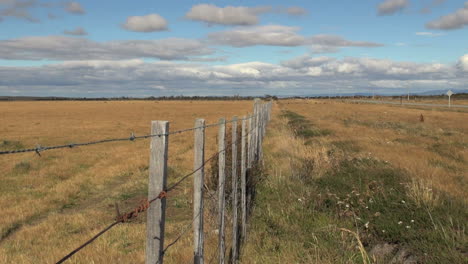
(304, 217)
(302, 127)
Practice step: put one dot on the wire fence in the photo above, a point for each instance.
(252, 140)
(38, 149)
(145, 204)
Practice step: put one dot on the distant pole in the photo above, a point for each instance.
(199, 158)
(408, 93)
(449, 94)
(234, 190)
(243, 180)
(157, 183)
(221, 181)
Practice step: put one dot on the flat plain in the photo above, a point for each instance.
(362, 183)
(315, 151)
(54, 202)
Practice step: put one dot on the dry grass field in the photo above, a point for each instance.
(347, 182)
(54, 202)
(433, 151)
(338, 180)
(418, 100)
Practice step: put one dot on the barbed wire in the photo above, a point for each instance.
(145, 204)
(38, 149)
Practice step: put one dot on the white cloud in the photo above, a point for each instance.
(463, 63)
(389, 7)
(277, 35)
(456, 20)
(306, 61)
(148, 23)
(429, 34)
(331, 43)
(72, 48)
(229, 15)
(301, 75)
(271, 35)
(79, 31)
(367, 67)
(74, 8)
(103, 63)
(18, 9)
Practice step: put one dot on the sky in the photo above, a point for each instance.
(250, 48)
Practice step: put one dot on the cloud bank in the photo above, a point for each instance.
(148, 23)
(229, 15)
(390, 7)
(72, 48)
(304, 75)
(456, 20)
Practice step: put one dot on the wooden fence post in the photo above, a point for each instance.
(249, 142)
(234, 191)
(243, 180)
(221, 181)
(255, 131)
(199, 159)
(157, 183)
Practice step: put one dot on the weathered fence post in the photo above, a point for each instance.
(260, 131)
(256, 129)
(199, 158)
(258, 135)
(157, 184)
(243, 180)
(249, 143)
(234, 190)
(221, 181)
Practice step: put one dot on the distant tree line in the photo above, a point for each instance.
(217, 98)
(127, 98)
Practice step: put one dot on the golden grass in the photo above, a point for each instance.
(454, 100)
(283, 155)
(433, 151)
(53, 203)
(431, 154)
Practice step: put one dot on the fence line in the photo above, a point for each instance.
(155, 205)
(144, 205)
(38, 149)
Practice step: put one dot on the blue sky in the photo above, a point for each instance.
(143, 48)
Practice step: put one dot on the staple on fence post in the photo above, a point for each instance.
(157, 183)
(234, 190)
(199, 158)
(243, 181)
(221, 181)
